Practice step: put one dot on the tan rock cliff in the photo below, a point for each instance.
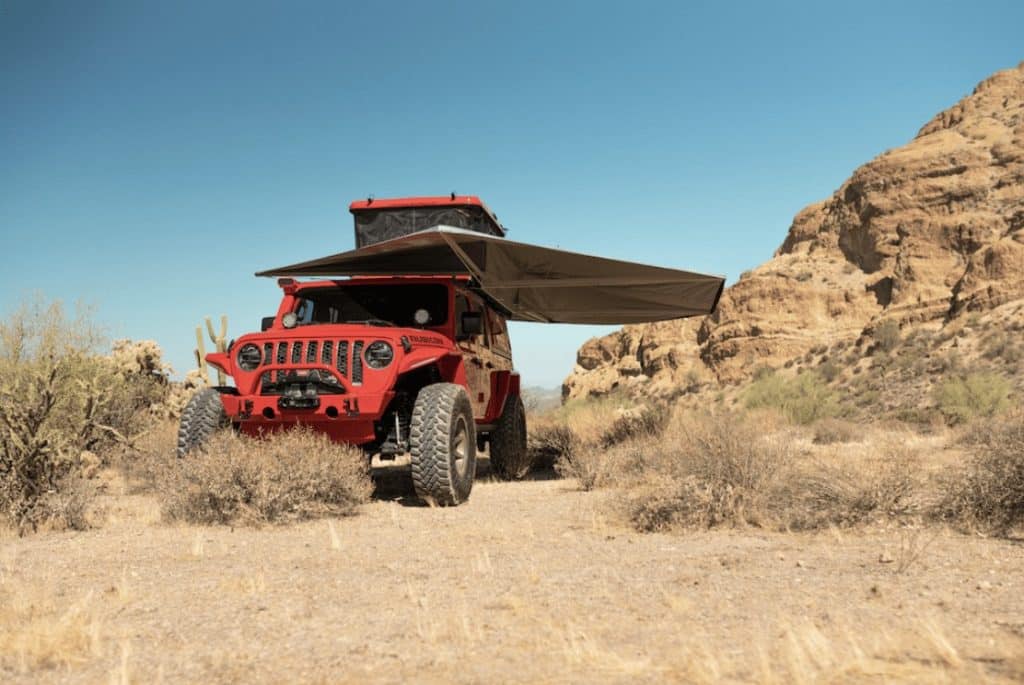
(920, 235)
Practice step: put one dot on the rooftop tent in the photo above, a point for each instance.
(380, 220)
(533, 283)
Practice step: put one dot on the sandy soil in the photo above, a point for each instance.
(529, 582)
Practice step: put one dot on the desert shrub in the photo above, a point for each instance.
(649, 421)
(989, 493)
(64, 407)
(887, 335)
(668, 503)
(830, 371)
(709, 469)
(804, 398)
(577, 437)
(293, 475)
(593, 467)
(144, 461)
(552, 445)
(830, 431)
(51, 395)
(845, 494)
(966, 397)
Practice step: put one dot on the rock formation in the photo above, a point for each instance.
(920, 235)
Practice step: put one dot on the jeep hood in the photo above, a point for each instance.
(533, 283)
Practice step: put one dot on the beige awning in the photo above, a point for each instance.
(533, 283)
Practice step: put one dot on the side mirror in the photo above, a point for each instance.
(266, 322)
(472, 324)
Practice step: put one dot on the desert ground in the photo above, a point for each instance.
(531, 581)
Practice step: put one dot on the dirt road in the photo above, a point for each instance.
(529, 582)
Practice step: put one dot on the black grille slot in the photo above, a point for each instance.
(326, 352)
(311, 352)
(343, 358)
(282, 353)
(357, 363)
(296, 351)
(268, 358)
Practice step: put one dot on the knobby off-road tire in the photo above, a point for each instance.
(443, 444)
(510, 458)
(202, 417)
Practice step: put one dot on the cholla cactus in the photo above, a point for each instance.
(139, 357)
(181, 393)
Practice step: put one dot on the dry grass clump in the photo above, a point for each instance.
(592, 467)
(884, 485)
(293, 475)
(832, 431)
(643, 422)
(39, 631)
(725, 470)
(552, 445)
(709, 469)
(989, 493)
(577, 437)
(145, 461)
(728, 468)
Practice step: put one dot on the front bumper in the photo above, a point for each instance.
(348, 418)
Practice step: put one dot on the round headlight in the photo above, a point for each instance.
(379, 354)
(249, 357)
(290, 320)
(421, 317)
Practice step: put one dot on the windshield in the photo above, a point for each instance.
(381, 305)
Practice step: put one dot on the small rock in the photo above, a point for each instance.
(984, 585)
(885, 558)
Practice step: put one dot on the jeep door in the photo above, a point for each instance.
(500, 350)
(475, 353)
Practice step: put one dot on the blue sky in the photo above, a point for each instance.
(154, 155)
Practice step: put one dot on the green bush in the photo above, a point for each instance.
(803, 399)
(963, 398)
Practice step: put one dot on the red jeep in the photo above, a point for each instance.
(416, 365)
(420, 363)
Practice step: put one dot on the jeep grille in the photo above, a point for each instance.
(327, 352)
